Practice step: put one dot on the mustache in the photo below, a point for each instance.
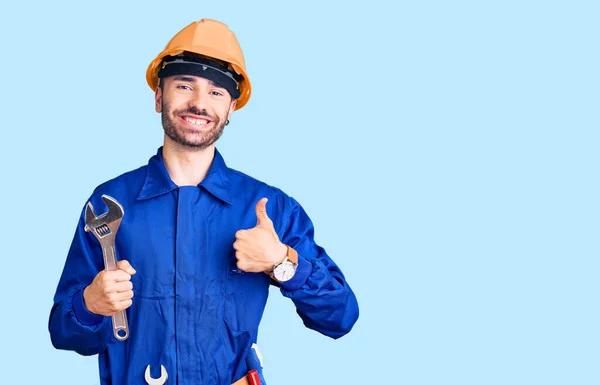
(197, 112)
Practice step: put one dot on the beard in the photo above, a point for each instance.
(197, 140)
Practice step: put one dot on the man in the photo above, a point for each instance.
(198, 245)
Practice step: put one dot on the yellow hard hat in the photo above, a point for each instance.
(209, 38)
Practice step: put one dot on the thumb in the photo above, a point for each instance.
(125, 266)
(263, 219)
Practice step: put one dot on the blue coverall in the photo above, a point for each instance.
(193, 310)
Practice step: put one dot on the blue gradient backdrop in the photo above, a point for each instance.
(447, 153)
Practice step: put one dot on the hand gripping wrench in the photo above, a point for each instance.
(105, 228)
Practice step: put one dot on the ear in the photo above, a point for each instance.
(158, 99)
(231, 108)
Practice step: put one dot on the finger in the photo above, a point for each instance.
(124, 286)
(241, 256)
(116, 298)
(240, 245)
(113, 286)
(263, 219)
(244, 265)
(110, 277)
(122, 305)
(125, 296)
(125, 266)
(120, 276)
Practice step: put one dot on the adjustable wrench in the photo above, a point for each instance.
(104, 229)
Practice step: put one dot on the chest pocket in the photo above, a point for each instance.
(153, 259)
(245, 297)
(151, 284)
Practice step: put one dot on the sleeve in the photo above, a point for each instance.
(71, 325)
(319, 290)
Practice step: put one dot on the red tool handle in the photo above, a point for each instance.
(253, 378)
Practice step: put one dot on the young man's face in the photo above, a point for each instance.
(194, 110)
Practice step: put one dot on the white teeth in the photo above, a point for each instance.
(199, 122)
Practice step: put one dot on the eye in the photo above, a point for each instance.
(184, 87)
(216, 93)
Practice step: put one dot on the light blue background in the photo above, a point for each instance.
(447, 153)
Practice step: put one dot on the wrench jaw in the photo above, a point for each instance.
(156, 381)
(92, 223)
(106, 225)
(115, 210)
(90, 216)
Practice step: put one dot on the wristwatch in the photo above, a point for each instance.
(285, 270)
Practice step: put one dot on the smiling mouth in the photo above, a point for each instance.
(195, 121)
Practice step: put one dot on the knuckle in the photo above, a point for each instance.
(242, 265)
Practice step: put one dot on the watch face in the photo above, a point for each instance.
(284, 271)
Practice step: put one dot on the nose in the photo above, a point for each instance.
(198, 99)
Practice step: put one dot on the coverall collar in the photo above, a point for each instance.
(158, 181)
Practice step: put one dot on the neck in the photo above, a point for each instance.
(187, 167)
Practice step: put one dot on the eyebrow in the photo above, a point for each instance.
(193, 80)
(185, 79)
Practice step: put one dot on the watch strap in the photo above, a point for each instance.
(292, 254)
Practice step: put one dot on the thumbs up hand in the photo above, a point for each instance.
(259, 249)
